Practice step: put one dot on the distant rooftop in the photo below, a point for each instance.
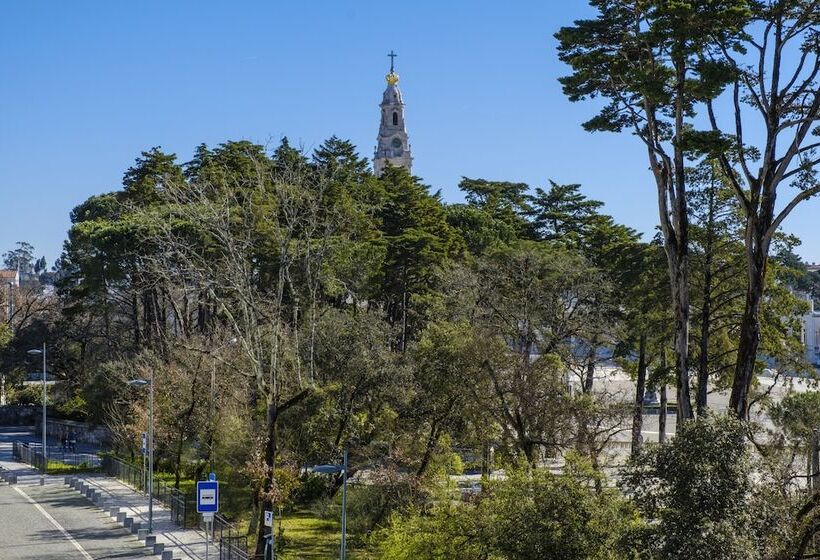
(9, 276)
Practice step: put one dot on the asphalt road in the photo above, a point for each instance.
(52, 522)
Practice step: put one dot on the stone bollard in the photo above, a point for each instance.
(135, 527)
(121, 517)
(142, 535)
(113, 511)
(128, 522)
(67, 481)
(89, 493)
(158, 548)
(167, 555)
(150, 540)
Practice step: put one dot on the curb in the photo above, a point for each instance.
(130, 524)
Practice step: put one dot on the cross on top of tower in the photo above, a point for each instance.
(392, 56)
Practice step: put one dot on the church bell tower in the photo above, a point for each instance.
(392, 145)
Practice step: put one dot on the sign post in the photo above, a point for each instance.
(207, 503)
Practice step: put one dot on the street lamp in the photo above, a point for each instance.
(37, 352)
(333, 469)
(150, 384)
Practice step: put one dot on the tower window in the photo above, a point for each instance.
(395, 118)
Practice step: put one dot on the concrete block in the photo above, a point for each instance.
(135, 527)
(167, 555)
(142, 535)
(150, 540)
(113, 511)
(11, 479)
(121, 517)
(81, 487)
(128, 522)
(67, 481)
(158, 548)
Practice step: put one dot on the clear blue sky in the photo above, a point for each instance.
(85, 86)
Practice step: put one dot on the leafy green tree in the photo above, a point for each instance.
(419, 243)
(445, 366)
(504, 201)
(696, 492)
(534, 300)
(773, 89)
(562, 212)
(533, 515)
(20, 258)
(646, 59)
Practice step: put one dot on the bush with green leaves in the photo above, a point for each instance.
(533, 515)
(700, 495)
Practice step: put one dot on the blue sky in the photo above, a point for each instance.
(85, 86)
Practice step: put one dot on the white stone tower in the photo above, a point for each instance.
(392, 145)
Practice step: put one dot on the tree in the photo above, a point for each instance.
(696, 487)
(774, 89)
(20, 258)
(533, 515)
(562, 212)
(653, 62)
(419, 243)
(533, 300)
(505, 201)
(717, 278)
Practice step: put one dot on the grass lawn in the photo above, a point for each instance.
(58, 467)
(310, 538)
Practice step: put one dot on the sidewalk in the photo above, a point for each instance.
(116, 497)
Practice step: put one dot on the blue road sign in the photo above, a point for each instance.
(144, 443)
(207, 496)
(212, 476)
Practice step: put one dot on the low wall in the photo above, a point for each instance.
(19, 414)
(99, 436)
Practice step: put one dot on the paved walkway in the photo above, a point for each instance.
(184, 543)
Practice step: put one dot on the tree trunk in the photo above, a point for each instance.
(637, 417)
(662, 415)
(749, 330)
(265, 502)
(432, 441)
(706, 308)
(589, 378)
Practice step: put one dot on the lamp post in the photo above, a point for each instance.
(150, 384)
(332, 469)
(37, 352)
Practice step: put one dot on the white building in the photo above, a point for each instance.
(811, 334)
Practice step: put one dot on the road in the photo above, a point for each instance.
(53, 522)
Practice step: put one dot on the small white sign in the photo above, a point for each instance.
(268, 518)
(207, 497)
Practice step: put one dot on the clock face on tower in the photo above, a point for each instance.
(396, 143)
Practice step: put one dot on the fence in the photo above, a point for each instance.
(232, 544)
(31, 453)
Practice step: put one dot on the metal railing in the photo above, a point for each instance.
(31, 453)
(233, 545)
(135, 477)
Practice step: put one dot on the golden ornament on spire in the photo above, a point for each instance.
(392, 78)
